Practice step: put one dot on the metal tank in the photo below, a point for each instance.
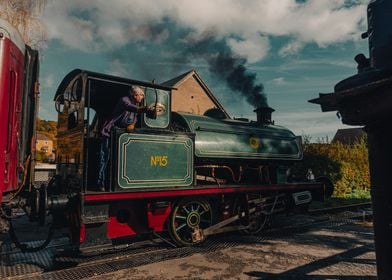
(227, 139)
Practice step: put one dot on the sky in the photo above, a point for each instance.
(277, 52)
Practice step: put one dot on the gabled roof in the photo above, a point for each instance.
(179, 79)
(176, 82)
(348, 136)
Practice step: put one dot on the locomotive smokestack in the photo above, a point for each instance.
(264, 115)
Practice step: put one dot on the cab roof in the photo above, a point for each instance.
(103, 78)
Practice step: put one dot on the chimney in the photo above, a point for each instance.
(264, 115)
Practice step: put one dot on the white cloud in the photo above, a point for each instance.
(105, 25)
(314, 123)
(291, 48)
(118, 68)
(279, 81)
(46, 109)
(47, 81)
(254, 48)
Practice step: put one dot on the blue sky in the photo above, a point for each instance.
(295, 49)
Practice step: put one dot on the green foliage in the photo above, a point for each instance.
(346, 165)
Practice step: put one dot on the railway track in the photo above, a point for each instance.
(341, 208)
(55, 262)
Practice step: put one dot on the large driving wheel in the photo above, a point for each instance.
(256, 221)
(256, 224)
(188, 218)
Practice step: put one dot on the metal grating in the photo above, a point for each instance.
(16, 263)
(43, 173)
(53, 263)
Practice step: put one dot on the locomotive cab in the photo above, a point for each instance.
(84, 101)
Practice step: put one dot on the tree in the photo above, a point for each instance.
(24, 15)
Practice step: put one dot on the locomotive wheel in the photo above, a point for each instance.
(188, 217)
(255, 224)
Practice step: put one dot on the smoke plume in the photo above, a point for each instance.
(228, 67)
(234, 72)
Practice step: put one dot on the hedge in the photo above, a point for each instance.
(346, 165)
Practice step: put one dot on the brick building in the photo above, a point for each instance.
(44, 144)
(191, 94)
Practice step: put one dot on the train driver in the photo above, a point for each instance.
(124, 115)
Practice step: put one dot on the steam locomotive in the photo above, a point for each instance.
(176, 175)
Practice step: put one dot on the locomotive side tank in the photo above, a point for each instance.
(240, 140)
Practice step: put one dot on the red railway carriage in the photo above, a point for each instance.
(18, 94)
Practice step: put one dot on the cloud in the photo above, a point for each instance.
(291, 48)
(279, 81)
(254, 48)
(106, 25)
(47, 82)
(117, 67)
(317, 124)
(148, 38)
(46, 109)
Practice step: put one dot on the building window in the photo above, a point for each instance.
(45, 149)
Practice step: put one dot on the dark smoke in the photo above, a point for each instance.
(180, 48)
(229, 68)
(233, 71)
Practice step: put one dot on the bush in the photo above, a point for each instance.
(346, 165)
